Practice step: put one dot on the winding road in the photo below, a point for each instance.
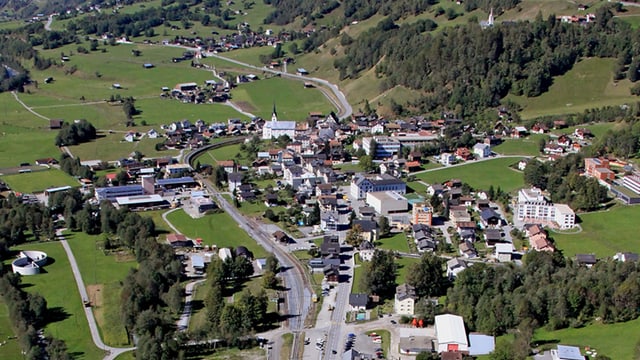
(336, 97)
(112, 352)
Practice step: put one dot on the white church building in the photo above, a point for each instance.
(275, 129)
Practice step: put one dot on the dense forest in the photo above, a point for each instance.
(466, 69)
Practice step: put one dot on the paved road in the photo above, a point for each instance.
(112, 352)
(183, 322)
(47, 25)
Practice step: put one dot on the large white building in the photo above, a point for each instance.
(385, 147)
(534, 208)
(362, 185)
(451, 333)
(387, 202)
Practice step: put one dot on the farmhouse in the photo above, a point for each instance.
(184, 87)
(179, 240)
(358, 302)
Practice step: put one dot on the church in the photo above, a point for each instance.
(275, 129)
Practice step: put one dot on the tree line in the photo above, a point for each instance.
(28, 315)
(467, 69)
(20, 221)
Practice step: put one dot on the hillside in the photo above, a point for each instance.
(376, 50)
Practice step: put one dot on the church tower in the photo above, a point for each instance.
(274, 114)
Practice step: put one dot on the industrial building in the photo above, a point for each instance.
(142, 202)
(451, 334)
(112, 192)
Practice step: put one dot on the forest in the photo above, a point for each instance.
(548, 290)
(467, 69)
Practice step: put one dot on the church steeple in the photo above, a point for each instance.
(274, 114)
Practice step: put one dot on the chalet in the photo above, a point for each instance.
(234, 180)
(246, 196)
(493, 236)
(553, 149)
(564, 141)
(490, 218)
(331, 273)
(582, 133)
(447, 159)
(415, 156)
(455, 266)
(463, 153)
(301, 72)
(539, 128)
(366, 250)
(519, 132)
(587, 260)
(559, 124)
(330, 246)
(179, 240)
(482, 150)
(358, 302)
(467, 249)
(369, 229)
(626, 256)
(229, 166)
(413, 166)
(540, 242)
(271, 199)
(55, 124)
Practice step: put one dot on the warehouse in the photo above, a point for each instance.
(142, 202)
(387, 202)
(451, 333)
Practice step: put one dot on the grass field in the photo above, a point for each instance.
(527, 146)
(216, 229)
(480, 175)
(106, 271)
(38, 181)
(220, 154)
(403, 268)
(588, 85)
(598, 129)
(292, 99)
(397, 242)
(603, 233)
(114, 147)
(617, 341)
(10, 350)
(57, 285)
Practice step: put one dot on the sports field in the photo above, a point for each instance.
(480, 174)
(216, 229)
(603, 233)
(39, 181)
(67, 320)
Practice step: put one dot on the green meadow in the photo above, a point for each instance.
(66, 318)
(480, 175)
(10, 350)
(588, 85)
(215, 229)
(617, 341)
(527, 146)
(39, 181)
(104, 273)
(604, 233)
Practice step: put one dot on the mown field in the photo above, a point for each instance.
(39, 181)
(216, 229)
(11, 349)
(480, 175)
(603, 233)
(66, 318)
(103, 273)
(527, 146)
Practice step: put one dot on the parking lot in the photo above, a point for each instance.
(370, 345)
